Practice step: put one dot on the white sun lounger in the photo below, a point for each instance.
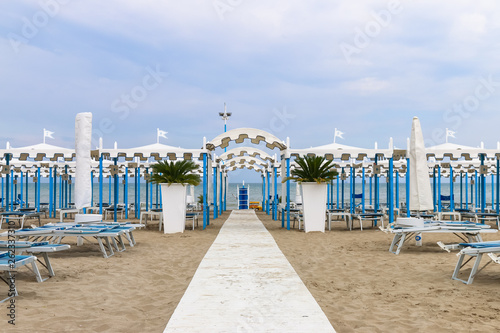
(470, 232)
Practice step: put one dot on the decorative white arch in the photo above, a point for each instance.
(241, 151)
(245, 166)
(246, 160)
(239, 135)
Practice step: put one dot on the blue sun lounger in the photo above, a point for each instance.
(472, 250)
(9, 265)
(55, 234)
(36, 248)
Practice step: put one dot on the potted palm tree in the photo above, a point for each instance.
(173, 178)
(313, 173)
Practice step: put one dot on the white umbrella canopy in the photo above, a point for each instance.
(420, 186)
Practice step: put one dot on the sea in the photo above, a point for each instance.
(255, 193)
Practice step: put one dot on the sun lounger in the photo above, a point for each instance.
(8, 265)
(472, 250)
(151, 214)
(55, 234)
(339, 213)
(36, 248)
(481, 217)
(368, 217)
(466, 231)
(193, 216)
(19, 216)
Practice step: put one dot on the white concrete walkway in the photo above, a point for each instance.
(245, 284)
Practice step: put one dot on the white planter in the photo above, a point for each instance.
(314, 202)
(173, 199)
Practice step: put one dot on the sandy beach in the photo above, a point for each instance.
(359, 285)
(362, 287)
(134, 291)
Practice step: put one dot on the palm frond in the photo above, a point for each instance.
(176, 172)
(313, 169)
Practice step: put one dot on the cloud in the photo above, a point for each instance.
(259, 58)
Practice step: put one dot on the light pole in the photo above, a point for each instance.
(225, 116)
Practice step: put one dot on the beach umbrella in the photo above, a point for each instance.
(83, 138)
(420, 186)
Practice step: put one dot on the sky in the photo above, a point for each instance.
(297, 69)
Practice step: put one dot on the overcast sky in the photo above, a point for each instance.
(298, 69)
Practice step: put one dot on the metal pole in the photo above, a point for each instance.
(205, 191)
(452, 199)
(276, 198)
(65, 188)
(498, 186)
(439, 189)
(466, 191)
(147, 191)
(263, 191)
(21, 190)
(338, 192)
(397, 189)
(92, 188)
(376, 187)
(476, 189)
(268, 192)
(51, 191)
(343, 182)
(407, 188)
(461, 190)
(221, 203)
(214, 169)
(125, 192)
(101, 180)
(54, 201)
(287, 194)
(363, 190)
(352, 195)
(115, 191)
(483, 186)
(38, 191)
(391, 190)
(137, 209)
(7, 162)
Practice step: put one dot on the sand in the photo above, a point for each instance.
(362, 287)
(359, 285)
(133, 291)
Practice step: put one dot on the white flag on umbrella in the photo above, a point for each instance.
(160, 133)
(338, 134)
(449, 134)
(47, 134)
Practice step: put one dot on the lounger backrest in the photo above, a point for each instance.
(83, 218)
